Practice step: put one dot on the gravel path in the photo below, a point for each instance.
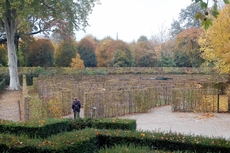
(162, 119)
(9, 107)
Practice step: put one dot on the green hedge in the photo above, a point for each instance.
(91, 140)
(38, 128)
(83, 141)
(47, 127)
(162, 141)
(123, 124)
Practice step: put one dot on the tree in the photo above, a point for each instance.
(186, 16)
(62, 32)
(187, 44)
(103, 54)
(35, 16)
(186, 19)
(148, 59)
(87, 53)
(66, 50)
(182, 59)
(120, 53)
(206, 18)
(77, 62)
(142, 38)
(215, 43)
(143, 49)
(167, 59)
(41, 53)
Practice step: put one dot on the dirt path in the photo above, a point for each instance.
(9, 107)
(205, 124)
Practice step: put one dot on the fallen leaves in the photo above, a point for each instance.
(206, 115)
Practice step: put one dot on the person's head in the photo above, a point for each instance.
(75, 98)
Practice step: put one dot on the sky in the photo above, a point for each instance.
(130, 19)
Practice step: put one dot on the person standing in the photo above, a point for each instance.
(76, 106)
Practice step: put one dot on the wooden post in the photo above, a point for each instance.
(20, 113)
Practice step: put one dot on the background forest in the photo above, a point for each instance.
(185, 44)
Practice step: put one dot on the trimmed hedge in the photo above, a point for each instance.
(48, 127)
(38, 128)
(83, 141)
(123, 124)
(162, 141)
(91, 140)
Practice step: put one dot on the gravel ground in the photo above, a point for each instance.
(164, 120)
(9, 107)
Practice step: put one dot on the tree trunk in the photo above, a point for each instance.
(10, 28)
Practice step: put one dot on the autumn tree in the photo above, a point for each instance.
(35, 16)
(141, 51)
(167, 59)
(66, 50)
(215, 43)
(92, 39)
(103, 53)
(120, 53)
(187, 44)
(87, 52)
(77, 62)
(41, 53)
(148, 59)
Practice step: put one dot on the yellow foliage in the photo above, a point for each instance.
(103, 54)
(54, 107)
(77, 62)
(215, 43)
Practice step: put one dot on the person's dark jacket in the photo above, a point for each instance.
(76, 105)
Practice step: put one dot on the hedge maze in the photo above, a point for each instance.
(117, 95)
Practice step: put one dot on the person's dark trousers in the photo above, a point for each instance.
(76, 114)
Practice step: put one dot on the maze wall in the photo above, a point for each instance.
(117, 95)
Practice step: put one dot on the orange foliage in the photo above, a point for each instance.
(187, 39)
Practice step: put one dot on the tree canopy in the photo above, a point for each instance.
(64, 53)
(41, 53)
(86, 49)
(186, 19)
(187, 44)
(35, 16)
(215, 42)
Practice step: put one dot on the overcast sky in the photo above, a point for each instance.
(132, 18)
